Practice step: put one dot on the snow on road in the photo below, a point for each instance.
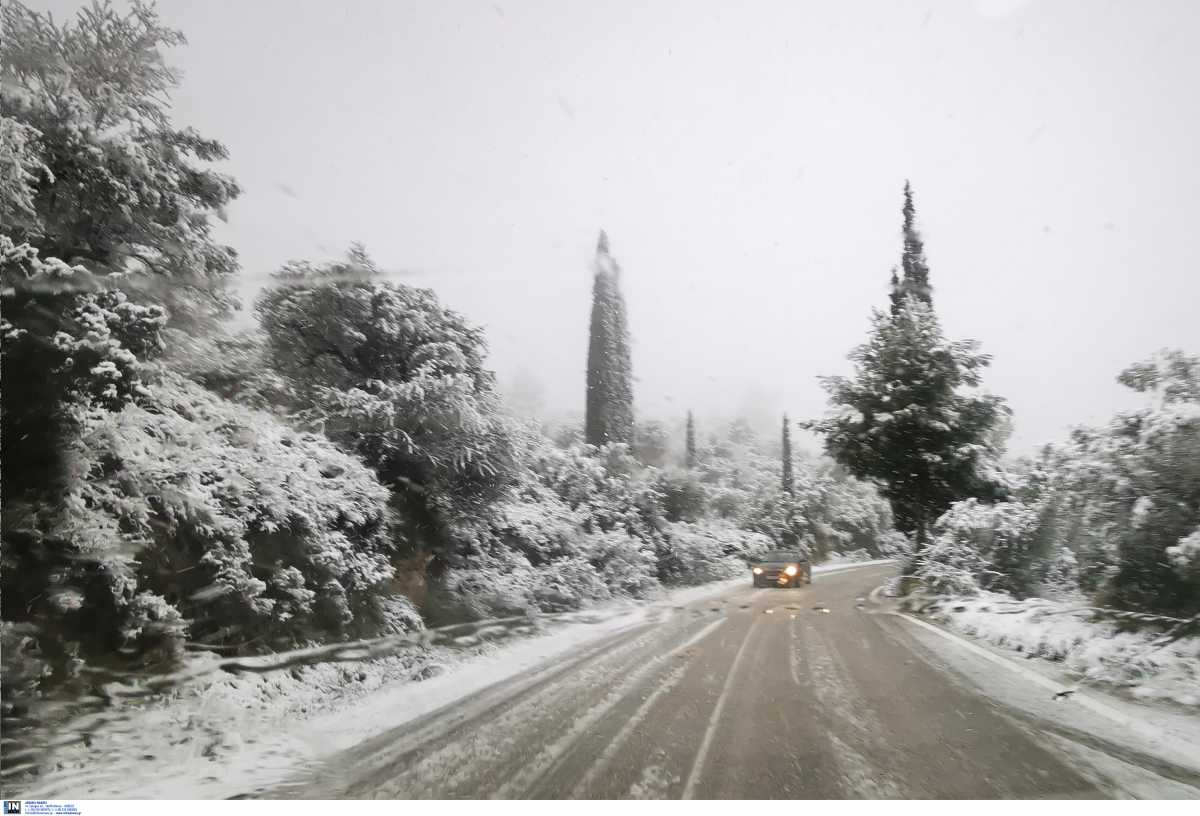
(158, 755)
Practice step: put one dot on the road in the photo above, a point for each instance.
(761, 693)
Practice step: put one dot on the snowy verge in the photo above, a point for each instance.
(1089, 650)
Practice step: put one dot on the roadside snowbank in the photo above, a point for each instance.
(1092, 651)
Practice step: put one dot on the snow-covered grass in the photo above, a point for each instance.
(1090, 648)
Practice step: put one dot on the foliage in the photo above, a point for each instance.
(1112, 513)
(188, 516)
(94, 172)
(689, 454)
(690, 554)
(605, 486)
(911, 421)
(991, 541)
(787, 480)
(609, 417)
(683, 496)
(393, 376)
(915, 282)
(1127, 496)
(652, 444)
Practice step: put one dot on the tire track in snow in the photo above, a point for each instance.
(549, 759)
(465, 741)
(486, 758)
(610, 751)
(689, 790)
(856, 728)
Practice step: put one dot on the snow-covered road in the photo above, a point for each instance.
(735, 692)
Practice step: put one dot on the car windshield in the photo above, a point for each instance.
(481, 508)
(782, 555)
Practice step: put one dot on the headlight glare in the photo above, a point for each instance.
(791, 569)
(758, 570)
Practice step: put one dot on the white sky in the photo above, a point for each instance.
(746, 160)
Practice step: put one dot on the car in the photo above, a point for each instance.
(781, 568)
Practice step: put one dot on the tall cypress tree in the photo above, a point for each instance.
(916, 269)
(789, 480)
(609, 373)
(690, 442)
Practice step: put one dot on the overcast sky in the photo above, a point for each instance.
(747, 161)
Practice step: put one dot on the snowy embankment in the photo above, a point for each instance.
(237, 733)
(1088, 643)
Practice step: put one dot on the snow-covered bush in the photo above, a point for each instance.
(1123, 499)
(393, 376)
(186, 515)
(1185, 556)
(691, 554)
(893, 544)
(950, 566)
(683, 496)
(606, 487)
(1003, 536)
(626, 564)
(102, 176)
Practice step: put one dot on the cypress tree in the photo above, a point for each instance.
(896, 295)
(789, 479)
(690, 450)
(916, 268)
(609, 376)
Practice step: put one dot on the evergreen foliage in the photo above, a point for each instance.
(95, 172)
(609, 417)
(788, 479)
(690, 442)
(911, 420)
(915, 282)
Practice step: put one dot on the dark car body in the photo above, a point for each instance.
(781, 568)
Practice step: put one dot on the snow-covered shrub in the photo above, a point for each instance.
(893, 544)
(626, 564)
(691, 554)
(1057, 576)
(950, 566)
(1123, 498)
(1003, 536)
(605, 487)
(1185, 556)
(683, 496)
(727, 502)
(394, 377)
(184, 514)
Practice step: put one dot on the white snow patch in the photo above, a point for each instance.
(1089, 650)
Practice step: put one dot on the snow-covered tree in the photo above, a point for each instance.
(395, 377)
(912, 420)
(915, 282)
(1135, 488)
(653, 443)
(689, 454)
(609, 374)
(95, 173)
(787, 479)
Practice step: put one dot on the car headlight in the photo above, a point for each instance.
(791, 569)
(758, 570)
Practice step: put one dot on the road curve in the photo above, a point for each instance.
(757, 694)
